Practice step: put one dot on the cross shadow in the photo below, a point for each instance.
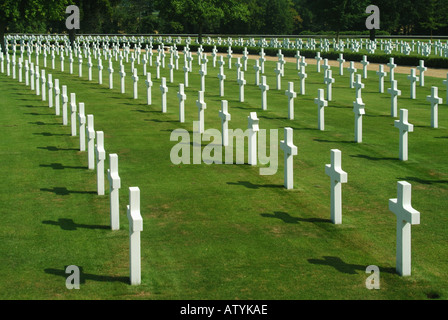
(62, 191)
(38, 114)
(59, 166)
(48, 134)
(441, 137)
(422, 181)
(286, 218)
(373, 158)
(40, 123)
(160, 121)
(53, 148)
(70, 225)
(330, 141)
(87, 276)
(343, 267)
(250, 185)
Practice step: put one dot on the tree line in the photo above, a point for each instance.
(272, 17)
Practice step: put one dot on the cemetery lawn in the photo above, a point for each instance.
(220, 231)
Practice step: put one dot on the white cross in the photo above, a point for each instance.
(413, 79)
(82, 127)
(352, 71)
(328, 80)
(122, 75)
(404, 126)
(73, 113)
(391, 66)
(100, 71)
(278, 73)
(50, 90)
(291, 96)
(164, 90)
(100, 157)
(381, 74)
(321, 104)
(186, 69)
(264, 88)
(358, 86)
(326, 67)
(238, 66)
(302, 76)
(394, 92)
(182, 97)
(149, 84)
(318, 60)
(229, 56)
(64, 105)
(257, 69)
(135, 227)
(241, 82)
(202, 74)
(111, 72)
(253, 126)
(434, 100)
(422, 70)
(290, 150)
(201, 107)
(135, 79)
(337, 176)
(114, 186)
(358, 109)
(43, 84)
(341, 61)
(91, 142)
(221, 76)
(225, 118)
(406, 216)
(262, 59)
(298, 57)
(364, 63)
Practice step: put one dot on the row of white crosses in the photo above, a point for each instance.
(86, 129)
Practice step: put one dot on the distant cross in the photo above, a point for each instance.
(394, 92)
(434, 100)
(404, 126)
(225, 118)
(291, 96)
(201, 108)
(253, 126)
(321, 104)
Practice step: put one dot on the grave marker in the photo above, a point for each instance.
(290, 150)
(337, 176)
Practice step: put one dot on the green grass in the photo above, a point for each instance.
(219, 231)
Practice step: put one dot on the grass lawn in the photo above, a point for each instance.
(219, 231)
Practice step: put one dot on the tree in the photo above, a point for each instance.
(28, 11)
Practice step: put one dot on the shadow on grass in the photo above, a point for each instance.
(87, 276)
(59, 166)
(53, 148)
(38, 114)
(160, 121)
(70, 225)
(40, 123)
(48, 134)
(250, 185)
(286, 218)
(373, 158)
(333, 141)
(62, 191)
(343, 267)
(422, 181)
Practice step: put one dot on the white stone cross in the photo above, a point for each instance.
(229, 56)
(64, 105)
(43, 82)
(358, 86)
(381, 74)
(182, 97)
(302, 76)
(328, 80)
(290, 150)
(321, 104)
(73, 113)
(391, 66)
(135, 227)
(201, 110)
(337, 176)
(257, 69)
(82, 127)
(32, 81)
(341, 61)
(202, 74)
(245, 58)
(123, 76)
(291, 96)
(50, 90)
(164, 90)
(318, 60)
(148, 83)
(278, 74)
(238, 66)
(91, 142)
(298, 57)
(57, 97)
(241, 82)
(158, 64)
(135, 79)
(186, 69)
(421, 68)
(253, 126)
(264, 88)
(111, 75)
(406, 216)
(37, 80)
(326, 67)
(394, 92)
(89, 66)
(352, 71)
(100, 157)
(100, 71)
(225, 118)
(364, 63)
(404, 126)
(358, 109)
(114, 186)
(221, 76)
(413, 79)
(434, 100)
(80, 65)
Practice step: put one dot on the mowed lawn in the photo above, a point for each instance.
(219, 231)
